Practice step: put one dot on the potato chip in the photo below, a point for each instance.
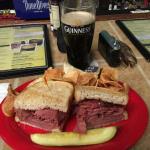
(92, 82)
(53, 74)
(109, 74)
(108, 79)
(8, 103)
(86, 78)
(71, 76)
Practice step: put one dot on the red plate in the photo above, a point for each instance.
(127, 135)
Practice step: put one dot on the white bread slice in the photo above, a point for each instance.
(100, 93)
(53, 94)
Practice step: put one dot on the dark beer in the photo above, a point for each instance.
(78, 30)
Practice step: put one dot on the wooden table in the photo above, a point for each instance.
(138, 78)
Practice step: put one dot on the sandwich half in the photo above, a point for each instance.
(97, 107)
(44, 105)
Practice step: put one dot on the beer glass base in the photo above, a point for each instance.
(83, 65)
(92, 67)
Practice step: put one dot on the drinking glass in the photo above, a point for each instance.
(77, 24)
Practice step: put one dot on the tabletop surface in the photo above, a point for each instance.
(138, 77)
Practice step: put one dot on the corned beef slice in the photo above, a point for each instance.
(47, 119)
(95, 113)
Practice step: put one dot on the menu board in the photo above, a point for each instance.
(23, 48)
(139, 33)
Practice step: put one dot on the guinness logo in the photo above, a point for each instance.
(77, 30)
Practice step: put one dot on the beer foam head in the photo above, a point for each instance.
(78, 18)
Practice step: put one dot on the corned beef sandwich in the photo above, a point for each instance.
(44, 105)
(99, 107)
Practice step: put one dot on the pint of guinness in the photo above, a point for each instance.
(78, 29)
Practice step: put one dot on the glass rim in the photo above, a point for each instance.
(77, 8)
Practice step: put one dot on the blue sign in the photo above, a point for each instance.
(31, 9)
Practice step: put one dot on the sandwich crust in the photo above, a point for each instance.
(100, 93)
(53, 94)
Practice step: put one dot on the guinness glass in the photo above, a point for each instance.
(78, 23)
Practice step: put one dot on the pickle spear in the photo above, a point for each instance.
(93, 136)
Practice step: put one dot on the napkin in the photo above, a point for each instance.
(3, 90)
